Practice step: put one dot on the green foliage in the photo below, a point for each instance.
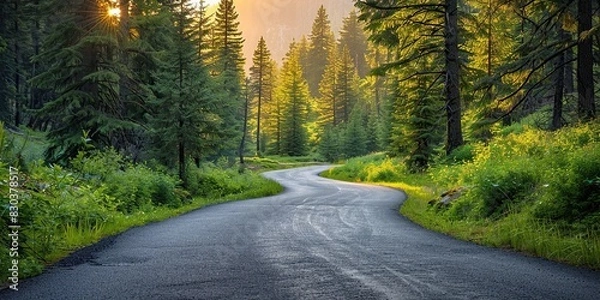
(135, 186)
(500, 188)
(294, 93)
(321, 43)
(62, 210)
(330, 144)
(84, 75)
(534, 191)
(461, 154)
(211, 181)
(573, 189)
(355, 135)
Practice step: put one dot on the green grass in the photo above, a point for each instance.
(28, 143)
(75, 237)
(515, 228)
(275, 162)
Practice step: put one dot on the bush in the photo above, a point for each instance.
(213, 182)
(573, 193)
(500, 190)
(138, 188)
(461, 154)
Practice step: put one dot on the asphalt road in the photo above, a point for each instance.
(320, 239)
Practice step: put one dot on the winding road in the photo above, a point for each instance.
(319, 239)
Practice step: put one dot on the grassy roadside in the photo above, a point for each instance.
(54, 229)
(273, 162)
(61, 210)
(516, 228)
(78, 237)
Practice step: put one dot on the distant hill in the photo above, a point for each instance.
(281, 21)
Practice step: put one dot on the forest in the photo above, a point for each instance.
(120, 108)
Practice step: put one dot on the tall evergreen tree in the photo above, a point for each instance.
(294, 93)
(328, 101)
(183, 120)
(355, 135)
(262, 83)
(5, 62)
(347, 85)
(228, 68)
(321, 42)
(586, 105)
(83, 73)
(353, 37)
(393, 24)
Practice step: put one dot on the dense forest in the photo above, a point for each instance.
(165, 80)
(160, 87)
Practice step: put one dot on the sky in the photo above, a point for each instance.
(282, 21)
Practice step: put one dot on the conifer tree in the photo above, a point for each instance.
(228, 67)
(393, 24)
(274, 112)
(321, 42)
(355, 135)
(184, 124)
(329, 145)
(353, 37)
(83, 73)
(294, 93)
(262, 83)
(328, 101)
(347, 85)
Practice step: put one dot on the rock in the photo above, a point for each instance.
(447, 197)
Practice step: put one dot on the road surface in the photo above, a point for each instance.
(320, 239)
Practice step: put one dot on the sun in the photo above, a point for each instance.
(114, 12)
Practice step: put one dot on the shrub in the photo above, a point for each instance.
(461, 154)
(504, 189)
(138, 187)
(573, 193)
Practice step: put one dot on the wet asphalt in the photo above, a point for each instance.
(320, 239)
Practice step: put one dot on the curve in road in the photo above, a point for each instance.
(320, 239)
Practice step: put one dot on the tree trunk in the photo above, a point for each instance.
(260, 94)
(451, 90)
(559, 84)
(17, 74)
(569, 78)
(244, 126)
(585, 61)
(181, 159)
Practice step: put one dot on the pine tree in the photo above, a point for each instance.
(228, 68)
(15, 54)
(329, 145)
(586, 105)
(321, 42)
(353, 37)
(262, 83)
(183, 124)
(294, 93)
(83, 73)
(274, 113)
(328, 101)
(355, 135)
(347, 85)
(394, 23)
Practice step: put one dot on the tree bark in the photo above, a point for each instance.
(245, 125)
(559, 85)
(585, 61)
(452, 92)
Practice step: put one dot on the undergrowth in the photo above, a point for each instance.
(529, 190)
(101, 194)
